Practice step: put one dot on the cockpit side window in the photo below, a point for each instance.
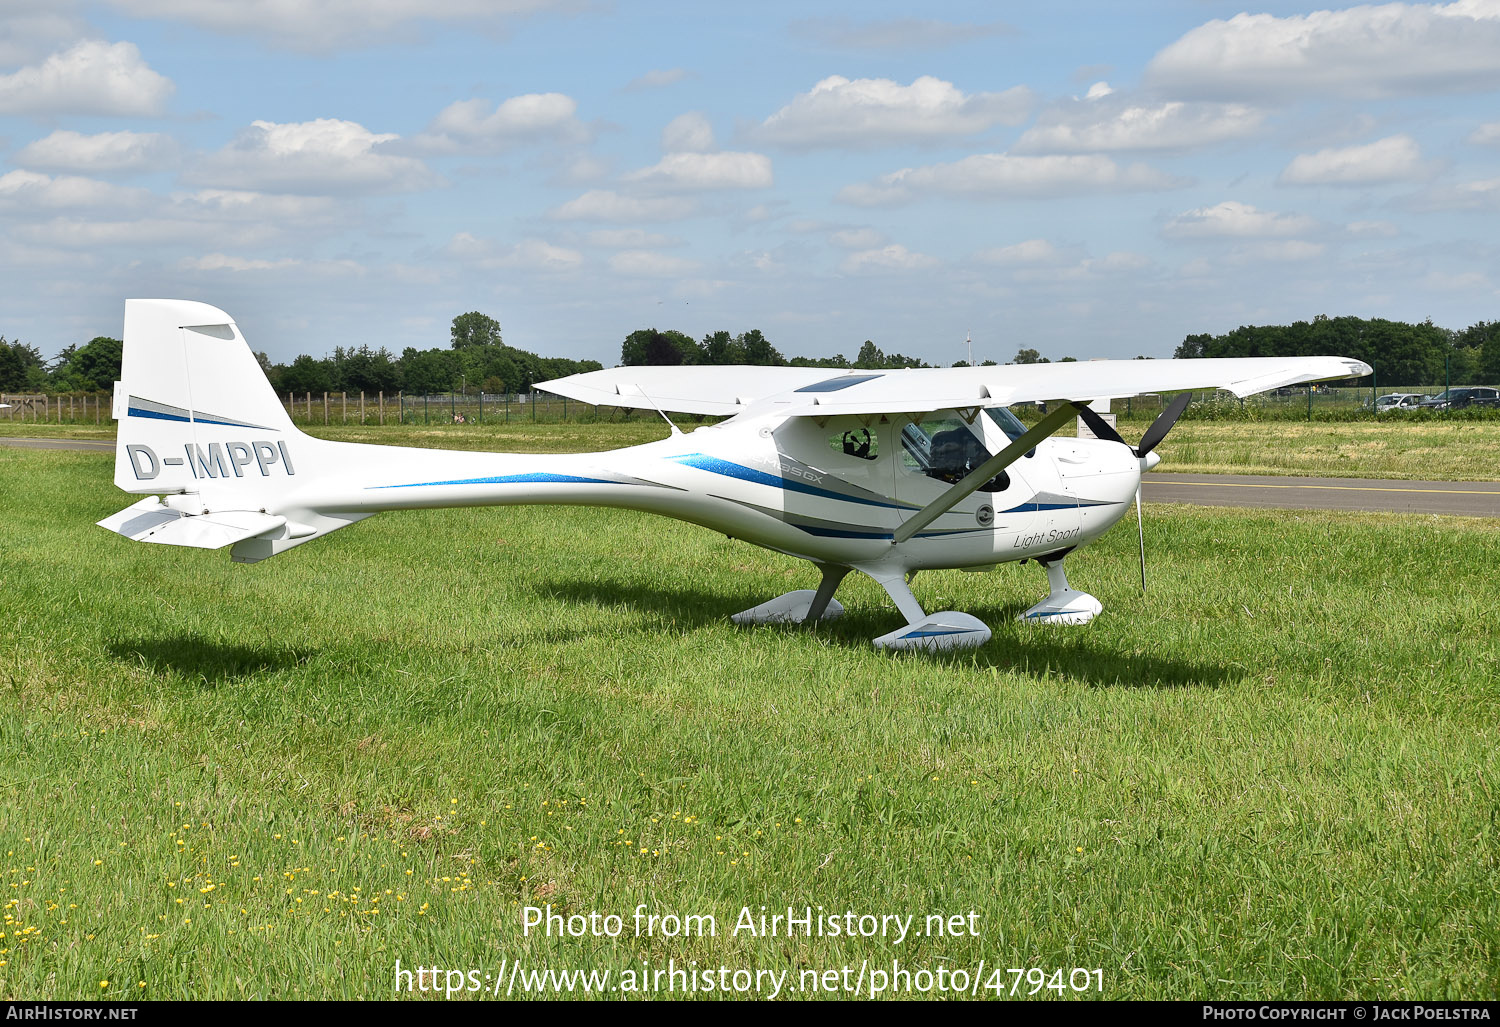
(946, 449)
(860, 443)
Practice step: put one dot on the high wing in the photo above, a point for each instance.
(715, 389)
(823, 392)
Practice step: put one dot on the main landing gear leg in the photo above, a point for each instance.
(1064, 605)
(823, 605)
(801, 606)
(946, 630)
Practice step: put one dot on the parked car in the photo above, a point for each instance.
(1458, 399)
(1398, 401)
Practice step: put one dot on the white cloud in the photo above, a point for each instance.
(1104, 124)
(539, 255)
(839, 112)
(630, 239)
(857, 239)
(609, 205)
(225, 262)
(31, 29)
(1393, 159)
(696, 171)
(326, 24)
(1481, 194)
(1462, 281)
(1283, 251)
(657, 78)
(29, 192)
(1234, 220)
(647, 264)
(217, 216)
(91, 77)
(1032, 251)
(1001, 175)
(473, 124)
(688, 132)
(1487, 134)
(895, 33)
(1121, 263)
(893, 257)
(1371, 230)
(232, 205)
(1098, 91)
(1364, 51)
(311, 157)
(526, 255)
(102, 152)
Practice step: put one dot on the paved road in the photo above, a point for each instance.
(1461, 498)
(86, 445)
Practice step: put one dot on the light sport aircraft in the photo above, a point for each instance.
(884, 472)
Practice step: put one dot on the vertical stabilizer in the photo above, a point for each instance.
(195, 409)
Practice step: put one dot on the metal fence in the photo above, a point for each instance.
(1288, 403)
(359, 408)
(330, 408)
(60, 408)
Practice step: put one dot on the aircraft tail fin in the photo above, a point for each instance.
(194, 407)
(200, 424)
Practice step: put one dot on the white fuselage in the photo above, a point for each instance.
(782, 483)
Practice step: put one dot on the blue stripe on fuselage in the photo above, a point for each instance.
(532, 478)
(714, 465)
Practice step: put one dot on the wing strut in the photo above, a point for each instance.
(970, 482)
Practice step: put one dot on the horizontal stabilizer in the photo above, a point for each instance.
(151, 520)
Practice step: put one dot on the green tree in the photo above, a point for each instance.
(21, 367)
(92, 366)
(307, 374)
(365, 370)
(1029, 356)
(475, 329)
(651, 347)
(428, 371)
(757, 349)
(721, 348)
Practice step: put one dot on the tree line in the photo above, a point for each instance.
(477, 357)
(1400, 353)
(649, 346)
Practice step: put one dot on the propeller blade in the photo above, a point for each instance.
(1099, 426)
(1140, 526)
(1163, 424)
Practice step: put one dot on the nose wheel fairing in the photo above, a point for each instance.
(1064, 605)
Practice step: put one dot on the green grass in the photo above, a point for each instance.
(1274, 775)
(1429, 450)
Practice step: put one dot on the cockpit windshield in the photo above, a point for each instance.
(1006, 421)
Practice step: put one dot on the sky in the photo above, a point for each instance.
(1087, 179)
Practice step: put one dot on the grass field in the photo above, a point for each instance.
(1274, 775)
(1414, 450)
